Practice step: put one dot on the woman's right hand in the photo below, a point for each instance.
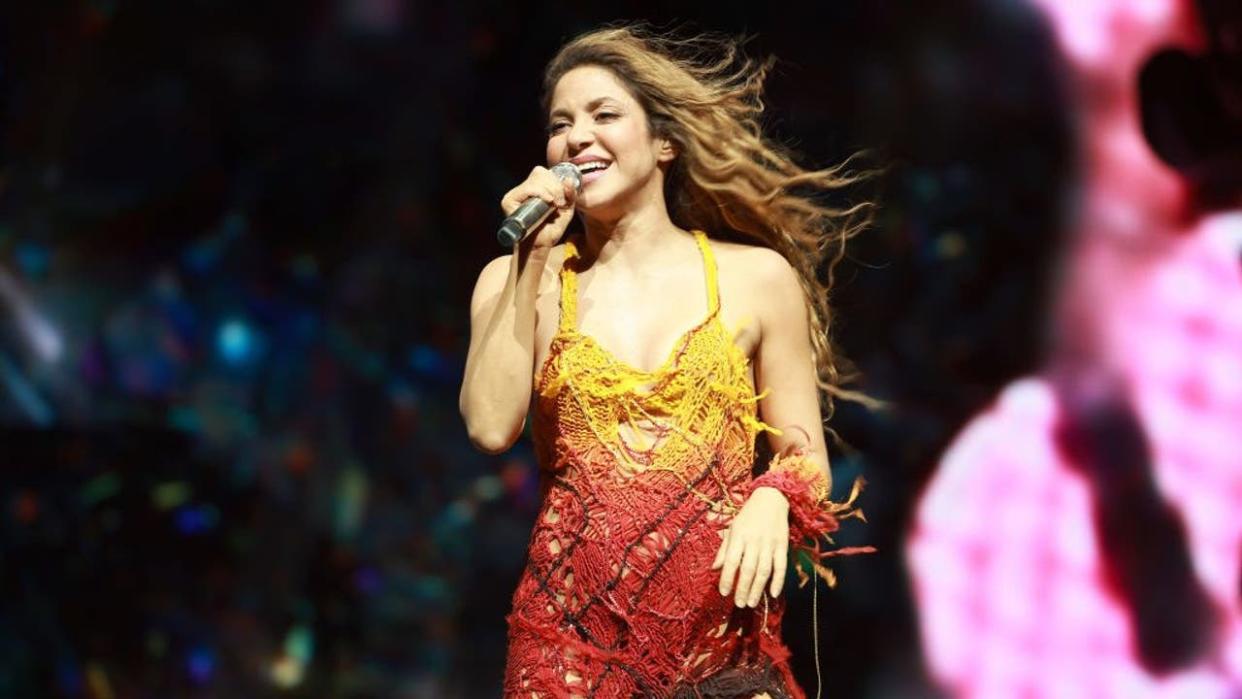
(548, 187)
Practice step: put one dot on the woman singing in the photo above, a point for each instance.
(657, 560)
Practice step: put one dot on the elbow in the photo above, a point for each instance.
(491, 429)
(488, 437)
(490, 441)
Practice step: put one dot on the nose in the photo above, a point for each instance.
(580, 136)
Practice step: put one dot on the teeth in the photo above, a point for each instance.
(592, 166)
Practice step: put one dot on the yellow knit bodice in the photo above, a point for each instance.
(611, 420)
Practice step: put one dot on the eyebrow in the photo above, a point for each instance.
(561, 111)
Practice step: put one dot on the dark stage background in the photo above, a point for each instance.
(238, 240)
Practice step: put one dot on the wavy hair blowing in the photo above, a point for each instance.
(706, 96)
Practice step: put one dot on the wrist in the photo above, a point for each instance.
(769, 491)
(527, 252)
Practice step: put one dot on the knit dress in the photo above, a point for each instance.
(640, 472)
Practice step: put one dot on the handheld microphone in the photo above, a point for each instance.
(534, 210)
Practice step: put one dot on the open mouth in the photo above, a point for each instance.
(593, 170)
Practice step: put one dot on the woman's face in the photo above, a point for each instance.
(595, 123)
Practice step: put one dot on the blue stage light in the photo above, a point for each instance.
(235, 341)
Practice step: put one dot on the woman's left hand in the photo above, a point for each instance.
(755, 547)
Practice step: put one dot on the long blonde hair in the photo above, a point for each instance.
(706, 96)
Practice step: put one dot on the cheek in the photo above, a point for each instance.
(627, 147)
(555, 151)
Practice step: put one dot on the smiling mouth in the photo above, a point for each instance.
(593, 170)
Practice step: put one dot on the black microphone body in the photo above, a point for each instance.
(534, 210)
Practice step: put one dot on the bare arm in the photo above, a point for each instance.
(496, 387)
(756, 545)
(785, 364)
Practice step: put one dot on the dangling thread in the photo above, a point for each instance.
(819, 680)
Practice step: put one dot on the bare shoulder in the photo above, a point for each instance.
(498, 267)
(491, 280)
(759, 272)
(495, 273)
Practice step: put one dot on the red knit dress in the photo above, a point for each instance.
(640, 472)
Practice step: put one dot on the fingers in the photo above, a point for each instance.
(526, 190)
(753, 564)
(762, 573)
(780, 558)
(732, 557)
(540, 183)
(560, 196)
(720, 552)
(746, 575)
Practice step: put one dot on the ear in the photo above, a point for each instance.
(667, 151)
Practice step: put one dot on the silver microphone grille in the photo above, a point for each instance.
(568, 171)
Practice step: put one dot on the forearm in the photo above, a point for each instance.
(804, 482)
(496, 388)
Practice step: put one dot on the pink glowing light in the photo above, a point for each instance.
(1013, 596)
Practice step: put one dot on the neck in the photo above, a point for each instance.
(631, 239)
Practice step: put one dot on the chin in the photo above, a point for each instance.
(604, 202)
(601, 212)
(594, 203)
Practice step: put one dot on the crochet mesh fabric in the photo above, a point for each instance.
(640, 471)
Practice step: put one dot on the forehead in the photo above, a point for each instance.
(586, 84)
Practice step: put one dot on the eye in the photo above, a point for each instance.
(556, 127)
(607, 116)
